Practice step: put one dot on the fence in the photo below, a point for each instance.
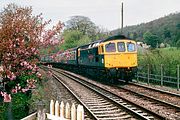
(159, 79)
(57, 112)
(65, 112)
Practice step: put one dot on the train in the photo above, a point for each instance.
(111, 59)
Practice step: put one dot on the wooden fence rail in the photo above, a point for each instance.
(30, 117)
(65, 112)
(160, 78)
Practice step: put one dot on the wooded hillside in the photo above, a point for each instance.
(167, 29)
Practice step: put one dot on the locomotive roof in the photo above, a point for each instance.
(115, 37)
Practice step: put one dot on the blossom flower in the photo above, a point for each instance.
(14, 90)
(29, 67)
(38, 75)
(25, 90)
(11, 76)
(18, 87)
(1, 69)
(7, 97)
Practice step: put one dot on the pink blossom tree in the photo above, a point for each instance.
(22, 35)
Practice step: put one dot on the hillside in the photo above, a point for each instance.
(166, 28)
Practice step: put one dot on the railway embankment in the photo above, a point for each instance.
(51, 89)
(48, 90)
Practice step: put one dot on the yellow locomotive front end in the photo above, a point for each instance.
(120, 58)
(120, 54)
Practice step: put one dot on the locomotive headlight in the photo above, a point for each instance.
(102, 60)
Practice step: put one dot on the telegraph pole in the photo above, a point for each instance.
(122, 18)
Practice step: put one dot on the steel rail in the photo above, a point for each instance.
(155, 89)
(154, 99)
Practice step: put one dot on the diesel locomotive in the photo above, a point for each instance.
(110, 59)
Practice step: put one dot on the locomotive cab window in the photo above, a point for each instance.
(131, 47)
(121, 46)
(110, 47)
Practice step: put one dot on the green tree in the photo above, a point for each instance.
(178, 26)
(80, 30)
(82, 24)
(167, 33)
(84, 40)
(151, 39)
(74, 38)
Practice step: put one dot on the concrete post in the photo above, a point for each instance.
(41, 112)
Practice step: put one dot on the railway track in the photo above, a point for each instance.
(61, 93)
(103, 104)
(166, 97)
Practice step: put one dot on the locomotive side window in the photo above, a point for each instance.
(121, 46)
(131, 47)
(110, 47)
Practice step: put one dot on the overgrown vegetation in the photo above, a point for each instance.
(23, 104)
(168, 57)
(19, 107)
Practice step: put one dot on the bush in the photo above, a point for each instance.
(19, 107)
(168, 57)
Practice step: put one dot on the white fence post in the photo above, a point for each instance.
(58, 112)
(73, 112)
(62, 112)
(62, 109)
(52, 107)
(67, 115)
(80, 112)
(57, 109)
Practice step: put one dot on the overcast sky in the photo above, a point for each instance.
(104, 13)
